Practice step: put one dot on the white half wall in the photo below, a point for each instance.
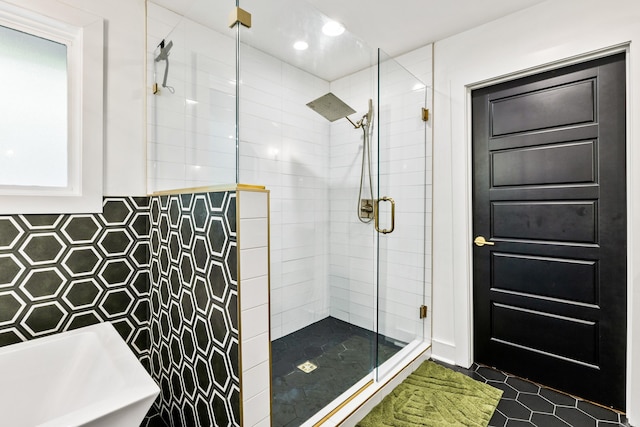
(550, 34)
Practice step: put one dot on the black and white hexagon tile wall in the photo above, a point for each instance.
(194, 293)
(162, 269)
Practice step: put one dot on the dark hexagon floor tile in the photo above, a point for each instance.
(523, 385)
(514, 410)
(519, 423)
(548, 420)
(491, 374)
(508, 392)
(575, 417)
(498, 419)
(550, 408)
(598, 412)
(535, 402)
(557, 398)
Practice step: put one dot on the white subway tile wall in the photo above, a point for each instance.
(285, 146)
(254, 312)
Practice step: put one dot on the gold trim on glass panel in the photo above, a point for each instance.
(379, 389)
(239, 309)
(210, 189)
(343, 404)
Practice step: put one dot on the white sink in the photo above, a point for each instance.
(84, 377)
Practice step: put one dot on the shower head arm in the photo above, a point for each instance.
(365, 120)
(355, 125)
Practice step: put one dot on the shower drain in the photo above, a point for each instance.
(307, 367)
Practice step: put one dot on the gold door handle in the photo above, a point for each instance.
(480, 241)
(393, 215)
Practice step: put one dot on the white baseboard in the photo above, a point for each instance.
(443, 351)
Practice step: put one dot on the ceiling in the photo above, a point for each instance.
(395, 26)
(402, 25)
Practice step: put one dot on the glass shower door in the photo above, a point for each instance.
(402, 207)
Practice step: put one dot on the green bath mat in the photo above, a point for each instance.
(435, 396)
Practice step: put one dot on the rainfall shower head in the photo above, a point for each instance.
(331, 107)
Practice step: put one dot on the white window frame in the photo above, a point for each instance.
(84, 37)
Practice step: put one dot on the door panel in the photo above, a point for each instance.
(566, 221)
(544, 165)
(549, 192)
(556, 335)
(559, 278)
(543, 109)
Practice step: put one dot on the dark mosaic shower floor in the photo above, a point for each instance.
(344, 355)
(525, 404)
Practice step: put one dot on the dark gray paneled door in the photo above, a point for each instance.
(549, 196)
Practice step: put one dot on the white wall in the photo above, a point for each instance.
(124, 124)
(549, 34)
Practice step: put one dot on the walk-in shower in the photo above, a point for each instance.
(344, 299)
(333, 108)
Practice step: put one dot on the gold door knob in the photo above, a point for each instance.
(480, 241)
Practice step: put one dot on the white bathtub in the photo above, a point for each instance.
(84, 377)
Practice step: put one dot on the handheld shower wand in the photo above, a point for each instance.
(164, 56)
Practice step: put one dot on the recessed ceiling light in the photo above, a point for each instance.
(300, 45)
(333, 28)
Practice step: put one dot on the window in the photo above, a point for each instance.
(34, 141)
(51, 113)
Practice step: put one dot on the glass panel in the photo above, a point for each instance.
(34, 76)
(322, 256)
(402, 170)
(192, 139)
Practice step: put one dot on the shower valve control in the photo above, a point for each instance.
(366, 209)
